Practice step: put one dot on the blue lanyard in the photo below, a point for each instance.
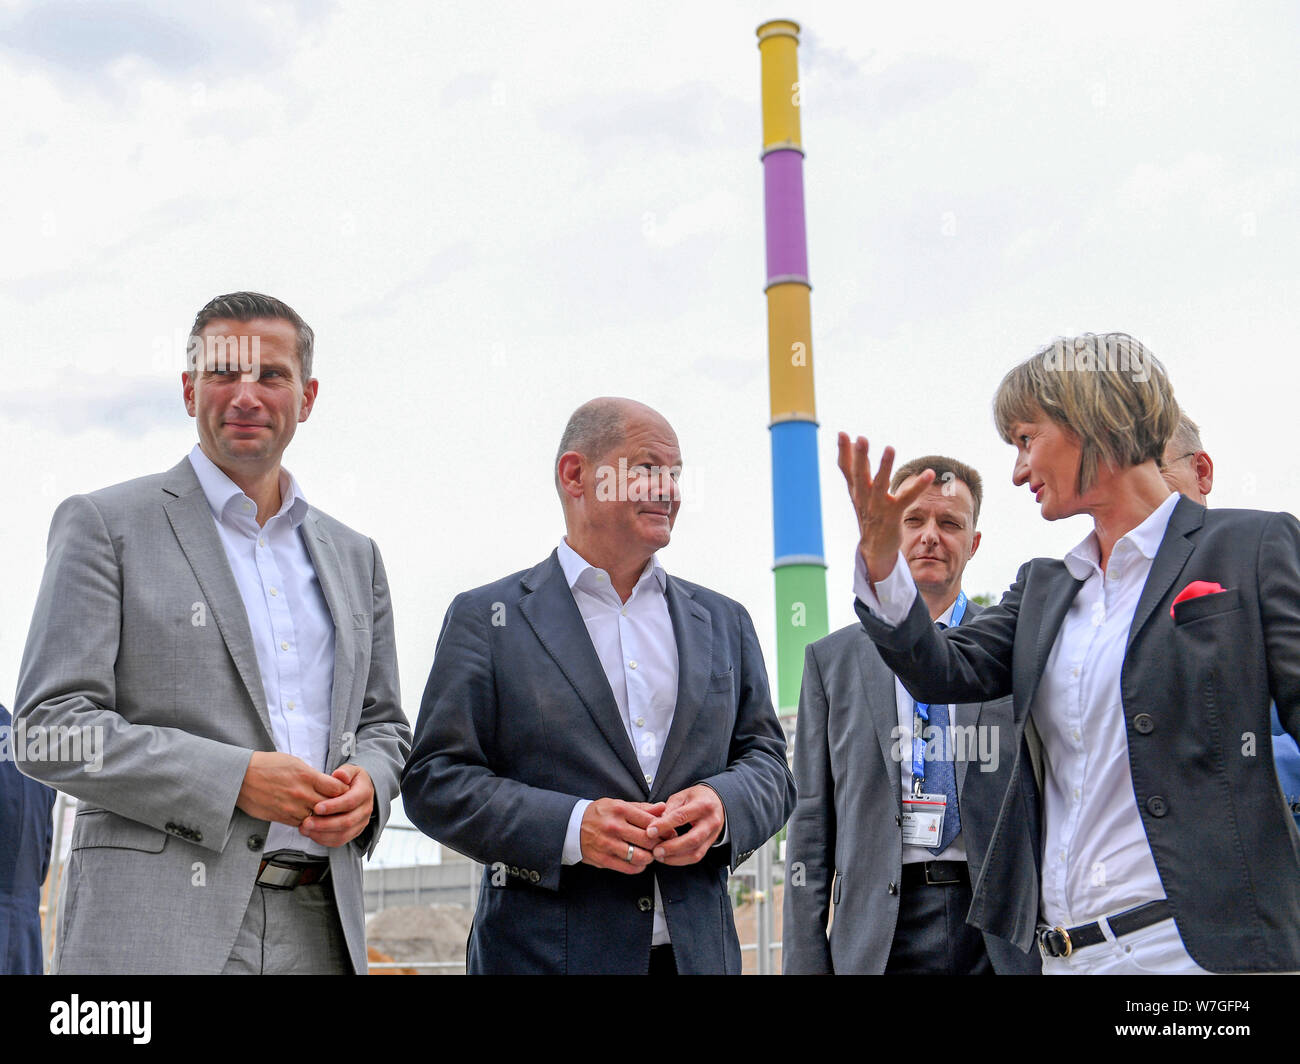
(921, 715)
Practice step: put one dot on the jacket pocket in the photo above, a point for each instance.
(99, 827)
(1207, 606)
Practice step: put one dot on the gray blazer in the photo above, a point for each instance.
(140, 632)
(844, 846)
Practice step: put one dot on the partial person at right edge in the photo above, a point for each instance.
(1189, 470)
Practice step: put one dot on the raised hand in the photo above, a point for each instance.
(880, 515)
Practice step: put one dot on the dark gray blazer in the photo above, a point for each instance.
(844, 846)
(518, 722)
(1196, 689)
(140, 632)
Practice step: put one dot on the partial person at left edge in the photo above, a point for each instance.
(26, 830)
(228, 650)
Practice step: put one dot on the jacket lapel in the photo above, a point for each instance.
(187, 510)
(325, 560)
(1045, 615)
(882, 708)
(693, 632)
(550, 611)
(1168, 562)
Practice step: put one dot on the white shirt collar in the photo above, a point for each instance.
(221, 491)
(574, 565)
(1085, 559)
(945, 618)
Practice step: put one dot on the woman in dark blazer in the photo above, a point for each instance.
(1143, 665)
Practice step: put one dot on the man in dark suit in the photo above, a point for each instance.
(1189, 470)
(599, 734)
(25, 833)
(900, 899)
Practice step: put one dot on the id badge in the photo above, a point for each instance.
(923, 819)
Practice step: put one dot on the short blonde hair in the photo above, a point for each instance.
(1109, 391)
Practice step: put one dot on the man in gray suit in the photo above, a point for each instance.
(230, 651)
(865, 835)
(599, 735)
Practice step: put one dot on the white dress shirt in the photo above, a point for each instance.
(293, 632)
(638, 651)
(1096, 857)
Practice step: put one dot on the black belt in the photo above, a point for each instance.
(286, 869)
(1062, 941)
(935, 873)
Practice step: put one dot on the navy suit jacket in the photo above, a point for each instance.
(25, 833)
(1196, 688)
(518, 722)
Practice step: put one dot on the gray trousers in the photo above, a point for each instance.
(290, 932)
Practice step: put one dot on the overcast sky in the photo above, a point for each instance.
(490, 213)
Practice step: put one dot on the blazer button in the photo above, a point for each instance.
(645, 904)
(893, 888)
(1157, 806)
(255, 842)
(171, 828)
(196, 836)
(1144, 724)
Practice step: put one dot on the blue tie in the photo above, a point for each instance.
(941, 775)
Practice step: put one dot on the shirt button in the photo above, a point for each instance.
(247, 506)
(649, 778)
(601, 578)
(274, 592)
(1074, 671)
(261, 541)
(290, 703)
(1076, 794)
(284, 646)
(631, 664)
(640, 722)
(1075, 733)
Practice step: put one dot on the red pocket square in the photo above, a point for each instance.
(1196, 589)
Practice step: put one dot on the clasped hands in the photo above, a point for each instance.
(330, 810)
(629, 836)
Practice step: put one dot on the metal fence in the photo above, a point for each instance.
(754, 890)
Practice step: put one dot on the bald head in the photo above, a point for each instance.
(1185, 465)
(598, 426)
(617, 474)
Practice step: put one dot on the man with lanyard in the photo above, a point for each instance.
(897, 799)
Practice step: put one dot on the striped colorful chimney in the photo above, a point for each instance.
(799, 568)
